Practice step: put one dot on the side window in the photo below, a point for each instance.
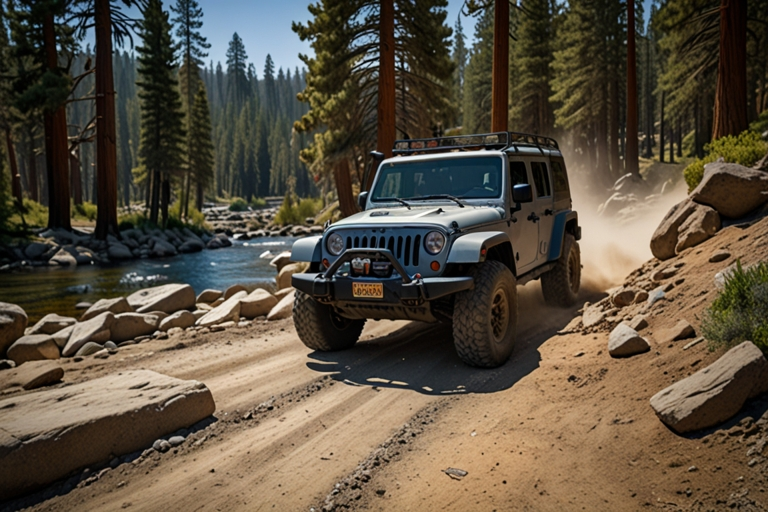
(560, 179)
(517, 173)
(541, 179)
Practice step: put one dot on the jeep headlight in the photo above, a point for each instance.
(434, 242)
(335, 244)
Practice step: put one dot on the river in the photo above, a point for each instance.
(40, 291)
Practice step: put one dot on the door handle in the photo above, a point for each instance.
(533, 217)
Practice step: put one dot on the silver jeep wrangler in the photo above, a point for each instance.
(449, 228)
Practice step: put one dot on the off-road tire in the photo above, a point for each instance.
(561, 284)
(485, 317)
(320, 328)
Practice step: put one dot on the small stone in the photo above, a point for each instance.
(692, 469)
(655, 296)
(694, 343)
(638, 322)
(176, 440)
(625, 341)
(578, 354)
(718, 256)
(680, 331)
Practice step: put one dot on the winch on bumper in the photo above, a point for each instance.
(396, 290)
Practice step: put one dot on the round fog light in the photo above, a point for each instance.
(435, 266)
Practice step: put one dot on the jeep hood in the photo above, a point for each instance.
(443, 215)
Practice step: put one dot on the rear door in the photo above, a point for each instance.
(544, 203)
(524, 232)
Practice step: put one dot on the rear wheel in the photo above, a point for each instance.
(320, 328)
(485, 317)
(561, 284)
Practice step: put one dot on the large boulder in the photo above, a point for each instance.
(128, 326)
(715, 393)
(191, 245)
(229, 310)
(208, 296)
(62, 337)
(282, 309)
(664, 239)
(731, 189)
(281, 260)
(229, 292)
(181, 319)
(13, 321)
(36, 249)
(96, 329)
(118, 251)
(63, 258)
(51, 433)
(117, 305)
(51, 324)
(160, 248)
(34, 347)
(168, 298)
(701, 225)
(624, 341)
(284, 276)
(28, 376)
(258, 303)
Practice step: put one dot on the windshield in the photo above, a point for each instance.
(466, 178)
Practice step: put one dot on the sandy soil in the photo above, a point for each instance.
(561, 426)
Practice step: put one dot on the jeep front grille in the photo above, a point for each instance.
(405, 248)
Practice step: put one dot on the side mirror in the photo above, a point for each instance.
(522, 193)
(362, 198)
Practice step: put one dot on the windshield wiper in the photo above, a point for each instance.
(393, 199)
(439, 196)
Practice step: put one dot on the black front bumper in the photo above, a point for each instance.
(400, 289)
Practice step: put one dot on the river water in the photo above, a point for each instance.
(40, 291)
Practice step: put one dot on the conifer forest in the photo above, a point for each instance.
(158, 123)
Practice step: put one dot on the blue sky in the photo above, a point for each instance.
(265, 27)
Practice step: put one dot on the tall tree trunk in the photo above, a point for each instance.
(106, 153)
(56, 150)
(697, 151)
(199, 196)
(631, 157)
(185, 196)
(76, 183)
(34, 192)
(661, 130)
(679, 138)
(165, 200)
(15, 176)
(648, 102)
(500, 78)
(671, 142)
(614, 130)
(347, 203)
(385, 123)
(731, 96)
(155, 201)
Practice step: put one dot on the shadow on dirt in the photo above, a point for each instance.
(421, 357)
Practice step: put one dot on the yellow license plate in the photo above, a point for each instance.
(368, 290)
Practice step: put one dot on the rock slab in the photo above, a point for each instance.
(226, 311)
(117, 305)
(624, 341)
(715, 393)
(96, 330)
(32, 375)
(168, 298)
(35, 347)
(48, 434)
(51, 324)
(731, 189)
(13, 321)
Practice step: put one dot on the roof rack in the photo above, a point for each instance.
(496, 140)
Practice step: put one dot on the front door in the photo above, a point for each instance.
(544, 204)
(524, 230)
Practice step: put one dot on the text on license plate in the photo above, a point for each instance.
(368, 290)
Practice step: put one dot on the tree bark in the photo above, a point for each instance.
(199, 196)
(76, 183)
(671, 142)
(347, 203)
(34, 193)
(15, 176)
(385, 123)
(731, 96)
(661, 130)
(106, 153)
(500, 79)
(631, 156)
(615, 131)
(165, 200)
(56, 150)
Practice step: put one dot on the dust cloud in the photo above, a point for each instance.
(612, 248)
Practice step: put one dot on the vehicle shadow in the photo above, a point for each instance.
(421, 357)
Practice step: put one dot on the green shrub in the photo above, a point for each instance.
(135, 220)
(295, 211)
(746, 149)
(740, 311)
(761, 124)
(85, 211)
(238, 204)
(258, 202)
(35, 215)
(309, 207)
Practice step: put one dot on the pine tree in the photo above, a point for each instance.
(201, 156)
(189, 21)
(162, 131)
(236, 65)
(459, 58)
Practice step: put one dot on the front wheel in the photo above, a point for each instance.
(561, 284)
(485, 317)
(320, 328)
